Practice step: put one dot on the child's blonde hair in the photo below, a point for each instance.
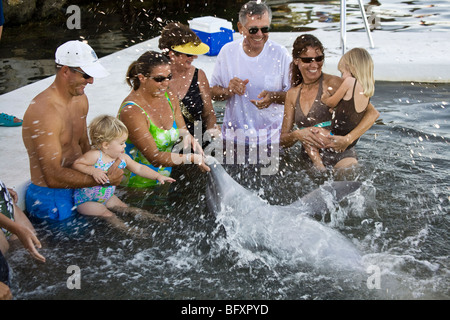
(360, 64)
(106, 128)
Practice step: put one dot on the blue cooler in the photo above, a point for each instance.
(215, 32)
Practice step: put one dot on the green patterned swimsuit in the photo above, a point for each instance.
(164, 139)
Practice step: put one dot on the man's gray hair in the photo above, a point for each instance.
(254, 8)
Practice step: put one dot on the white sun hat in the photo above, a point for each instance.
(76, 53)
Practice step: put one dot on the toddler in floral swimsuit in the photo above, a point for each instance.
(108, 135)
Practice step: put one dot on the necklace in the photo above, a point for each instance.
(311, 83)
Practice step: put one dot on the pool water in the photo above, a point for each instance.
(398, 221)
(393, 15)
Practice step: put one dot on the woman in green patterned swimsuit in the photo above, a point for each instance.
(154, 120)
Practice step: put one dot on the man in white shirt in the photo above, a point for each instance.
(252, 75)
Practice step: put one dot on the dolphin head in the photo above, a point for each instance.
(315, 202)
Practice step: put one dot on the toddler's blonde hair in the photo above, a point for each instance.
(360, 64)
(106, 128)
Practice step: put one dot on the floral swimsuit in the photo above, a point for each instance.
(99, 194)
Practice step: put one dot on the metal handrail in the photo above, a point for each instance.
(344, 26)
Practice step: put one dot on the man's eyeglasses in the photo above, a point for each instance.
(85, 75)
(309, 60)
(254, 30)
(162, 78)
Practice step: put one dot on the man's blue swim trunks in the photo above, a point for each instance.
(49, 203)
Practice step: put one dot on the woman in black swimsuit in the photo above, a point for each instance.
(304, 107)
(189, 84)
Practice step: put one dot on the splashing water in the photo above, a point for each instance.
(281, 234)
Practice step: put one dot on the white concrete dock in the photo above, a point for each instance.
(398, 56)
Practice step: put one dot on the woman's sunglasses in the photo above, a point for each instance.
(162, 78)
(254, 30)
(180, 53)
(85, 75)
(309, 60)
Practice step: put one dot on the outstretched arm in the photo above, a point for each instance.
(144, 171)
(25, 235)
(139, 135)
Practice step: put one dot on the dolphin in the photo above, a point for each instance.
(223, 189)
(315, 204)
(289, 232)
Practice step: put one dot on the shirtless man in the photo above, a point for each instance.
(55, 134)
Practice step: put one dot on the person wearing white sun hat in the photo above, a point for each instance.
(54, 132)
(252, 75)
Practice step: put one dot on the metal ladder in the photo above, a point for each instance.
(343, 24)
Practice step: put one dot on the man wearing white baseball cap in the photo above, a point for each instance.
(55, 134)
(79, 54)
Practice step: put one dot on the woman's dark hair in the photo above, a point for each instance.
(144, 65)
(175, 34)
(300, 46)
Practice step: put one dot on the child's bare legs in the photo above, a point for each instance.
(314, 155)
(97, 209)
(346, 163)
(345, 168)
(115, 205)
(118, 206)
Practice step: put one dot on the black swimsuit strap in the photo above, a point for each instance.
(319, 94)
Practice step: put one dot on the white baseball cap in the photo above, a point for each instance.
(75, 53)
